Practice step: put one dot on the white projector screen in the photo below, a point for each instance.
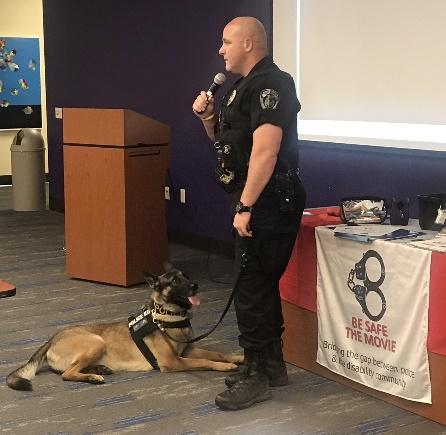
(369, 72)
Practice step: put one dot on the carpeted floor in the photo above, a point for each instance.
(33, 259)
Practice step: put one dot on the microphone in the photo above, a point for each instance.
(219, 79)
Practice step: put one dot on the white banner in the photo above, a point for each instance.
(372, 304)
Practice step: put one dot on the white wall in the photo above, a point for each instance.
(285, 35)
(367, 72)
(22, 18)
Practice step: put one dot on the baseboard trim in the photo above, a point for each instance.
(56, 204)
(6, 180)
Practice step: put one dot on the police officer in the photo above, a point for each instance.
(255, 136)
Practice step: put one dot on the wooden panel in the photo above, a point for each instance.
(114, 196)
(147, 246)
(93, 126)
(95, 213)
(112, 127)
(140, 129)
(300, 349)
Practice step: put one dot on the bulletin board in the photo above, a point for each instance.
(20, 89)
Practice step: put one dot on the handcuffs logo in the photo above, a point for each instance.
(361, 291)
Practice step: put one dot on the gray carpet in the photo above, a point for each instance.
(33, 259)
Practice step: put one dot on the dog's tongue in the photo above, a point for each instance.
(194, 300)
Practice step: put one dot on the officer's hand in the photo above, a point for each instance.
(241, 224)
(203, 105)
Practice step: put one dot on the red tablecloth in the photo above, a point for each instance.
(298, 284)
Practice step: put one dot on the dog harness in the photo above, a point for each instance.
(143, 324)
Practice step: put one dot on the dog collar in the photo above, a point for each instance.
(145, 320)
(159, 309)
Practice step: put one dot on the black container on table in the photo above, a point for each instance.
(428, 210)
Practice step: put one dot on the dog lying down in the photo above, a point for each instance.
(84, 353)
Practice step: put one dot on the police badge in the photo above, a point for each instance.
(269, 99)
(231, 97)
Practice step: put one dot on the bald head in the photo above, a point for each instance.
(251, 28)
(244, 43)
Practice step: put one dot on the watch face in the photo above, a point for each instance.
(240, 207)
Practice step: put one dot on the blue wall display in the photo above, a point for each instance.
(20, 94)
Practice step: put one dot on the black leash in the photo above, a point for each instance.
(200, 337)
(243, 263)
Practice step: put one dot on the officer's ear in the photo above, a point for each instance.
(248, 45)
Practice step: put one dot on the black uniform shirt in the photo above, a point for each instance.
(266, 95)
(271, 98)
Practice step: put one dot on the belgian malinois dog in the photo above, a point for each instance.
(84, 353)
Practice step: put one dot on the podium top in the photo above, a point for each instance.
(112, 127)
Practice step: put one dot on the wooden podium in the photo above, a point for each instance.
(115, 162)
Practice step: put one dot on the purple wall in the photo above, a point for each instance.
(332, 171)
(153, 57)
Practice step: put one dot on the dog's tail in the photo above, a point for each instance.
(20, 379)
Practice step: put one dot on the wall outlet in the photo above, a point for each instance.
(166, 192)
(58, 113)
(183, 196)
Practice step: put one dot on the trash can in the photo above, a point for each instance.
(28, 171)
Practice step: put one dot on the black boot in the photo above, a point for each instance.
(251, 388)
(275, 367)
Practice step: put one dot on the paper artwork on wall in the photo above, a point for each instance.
(20, 90)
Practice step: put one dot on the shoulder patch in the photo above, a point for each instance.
(269, 99)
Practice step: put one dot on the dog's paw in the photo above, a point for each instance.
(237, 359)
(230, 366)
(103, 370)
(96, 379)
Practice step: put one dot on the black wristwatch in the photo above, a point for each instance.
(242, 208)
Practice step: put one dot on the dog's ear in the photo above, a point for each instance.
(152, 280)
(168, 267)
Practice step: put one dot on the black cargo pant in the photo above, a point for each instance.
(260, 261)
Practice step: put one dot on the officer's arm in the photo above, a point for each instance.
(203, 107)
(209, 125)
(265, 148)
